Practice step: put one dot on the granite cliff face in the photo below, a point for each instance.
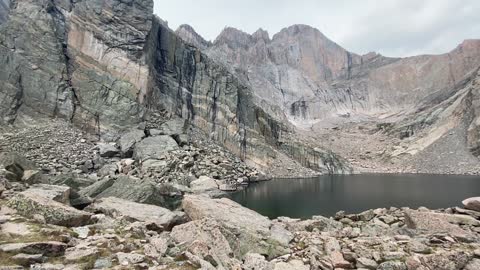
(106, 65)
(332, 96)
(312, 78)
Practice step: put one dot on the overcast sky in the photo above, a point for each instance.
(390, 27)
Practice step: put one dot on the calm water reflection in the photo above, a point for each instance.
(302, 198)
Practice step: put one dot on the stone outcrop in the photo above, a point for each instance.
(131, 211)
(31, 204)
(243, 229)
(136, 190)
(472, 203)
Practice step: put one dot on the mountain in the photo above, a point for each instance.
(107, 65)
(321, 88)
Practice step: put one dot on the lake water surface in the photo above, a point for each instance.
(326, 195)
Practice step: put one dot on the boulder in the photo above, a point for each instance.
(436, 223)
(16, 165)
(171, 127)
(27, 259)
(50, 248)
(128, 140)
(210, 234)
(446, 260)
(108, 150)
(251, 229)
(291, 265)
(30, 204)
(393, 265)
(108, 170)
(126, 259)
(203, 184)
(472, 203)
(227, 212)
(72, 180)
(136, 190)
(33, 177)
(81, 254)
(182, 139)
(96, 188)
(254, 261)
(316, 222)
(60, 194)
(154, 147)
(131, 211)
(366, 263)
(473, 265)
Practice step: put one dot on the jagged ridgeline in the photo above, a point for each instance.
(106, 64)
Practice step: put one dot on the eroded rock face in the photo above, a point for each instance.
(34, 66)
(106, 41)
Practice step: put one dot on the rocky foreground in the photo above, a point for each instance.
(126, 206)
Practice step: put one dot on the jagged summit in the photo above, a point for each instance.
(189, 35)
(233, 37)
(261, 34)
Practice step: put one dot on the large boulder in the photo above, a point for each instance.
(72, 180)
(229, 213)
(210, 235)
(131, 211)
(128, 140)
(50, 248)
(60, 194)
(172, 127)
(252, 231)
(16, 165)
(154, 147)
(75, 183)
(137, 190)
(430, 222)
(472, 203)
(108, 150)
(97, 188)
(30, 204)
(203, 184)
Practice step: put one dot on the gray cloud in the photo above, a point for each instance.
(390, 27)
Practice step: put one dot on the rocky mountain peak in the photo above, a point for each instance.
(469, 44)
(189, 35)
(233, 37)
(261, 34)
